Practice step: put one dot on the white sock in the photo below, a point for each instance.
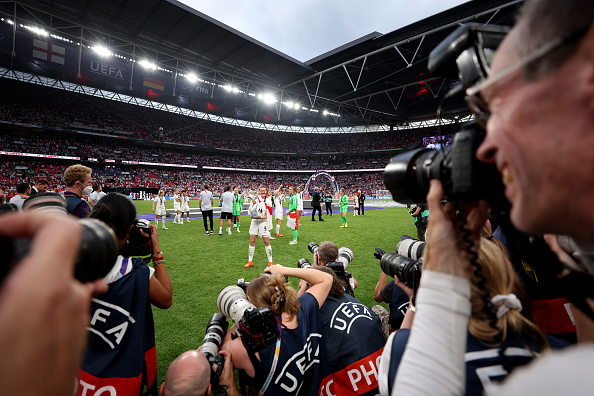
(163, 221)
(251, 253)
(157, 222)
(220, 229)
(269, 252)
(278, 228)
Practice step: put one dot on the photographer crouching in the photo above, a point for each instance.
(121, 319)
(328, 255)
(293, 360)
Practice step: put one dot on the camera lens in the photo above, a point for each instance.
(313, 247)
(233, 302)
(406, 269)
(215, 332)
(345, 256)
(304, 263)
(411, 248)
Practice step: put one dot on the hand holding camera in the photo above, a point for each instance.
(45, 311)
(444, 253)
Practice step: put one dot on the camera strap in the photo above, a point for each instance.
(274, 359)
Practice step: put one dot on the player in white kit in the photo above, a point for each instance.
(279, 200)
(260, 209)
(185, 206)
(177, 207)
(160, 209)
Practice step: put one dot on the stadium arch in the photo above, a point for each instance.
(322, 174)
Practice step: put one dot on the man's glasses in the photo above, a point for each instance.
(476, 103)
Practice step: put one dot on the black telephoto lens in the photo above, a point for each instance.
(313, 247)
(304, 263)
(406, 269)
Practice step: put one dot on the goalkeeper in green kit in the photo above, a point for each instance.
(344, 203)
(237, 207)
(293, 214)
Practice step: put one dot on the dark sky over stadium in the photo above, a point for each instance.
(304, 29)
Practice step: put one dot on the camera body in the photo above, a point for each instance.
(466, 54)
(463, 176)
(215, 333)
(243, 284)
(137, 244)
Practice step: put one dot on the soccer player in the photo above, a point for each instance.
(206, 200)
(226, 210)
(279, 199)
(177, 207)
(161, 209)
(299, 203)
(260, 209)
(344, 203)
(185, 206)
(270, 203)
(294, 213)
(237, 207)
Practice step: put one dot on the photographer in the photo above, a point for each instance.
(505, 338)
(327, 254)
(420, 213)
(538, 135)
(121, 319)
(300, 363)
(189, 375)
(394, 296)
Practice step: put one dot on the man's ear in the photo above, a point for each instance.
(162, 389)
(209, 389)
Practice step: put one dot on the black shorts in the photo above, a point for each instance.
(226, 215)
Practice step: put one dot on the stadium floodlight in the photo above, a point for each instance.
(268, 98)
(147, 65)
(192, 77)
(325, 112)
(102, 51)
(296, 106)
(35, 30)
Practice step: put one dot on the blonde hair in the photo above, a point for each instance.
(272, 291)
(76, 173)
(159, 193)
(499, 278)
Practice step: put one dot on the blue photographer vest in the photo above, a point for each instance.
(484, 365)
(303, 361)
(355, 342)
(121, 351)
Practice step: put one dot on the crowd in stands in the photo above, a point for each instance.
(43, 106)
(168, 179)
(124, 150)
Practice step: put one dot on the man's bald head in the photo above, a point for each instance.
(188, 375)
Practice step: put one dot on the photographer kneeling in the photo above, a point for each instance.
(297, 363)
(327, 253)
(121, 352)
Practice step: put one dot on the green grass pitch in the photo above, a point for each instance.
(201, 266)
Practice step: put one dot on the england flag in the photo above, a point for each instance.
(48, 52)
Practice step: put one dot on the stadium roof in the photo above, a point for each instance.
(377, 79)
